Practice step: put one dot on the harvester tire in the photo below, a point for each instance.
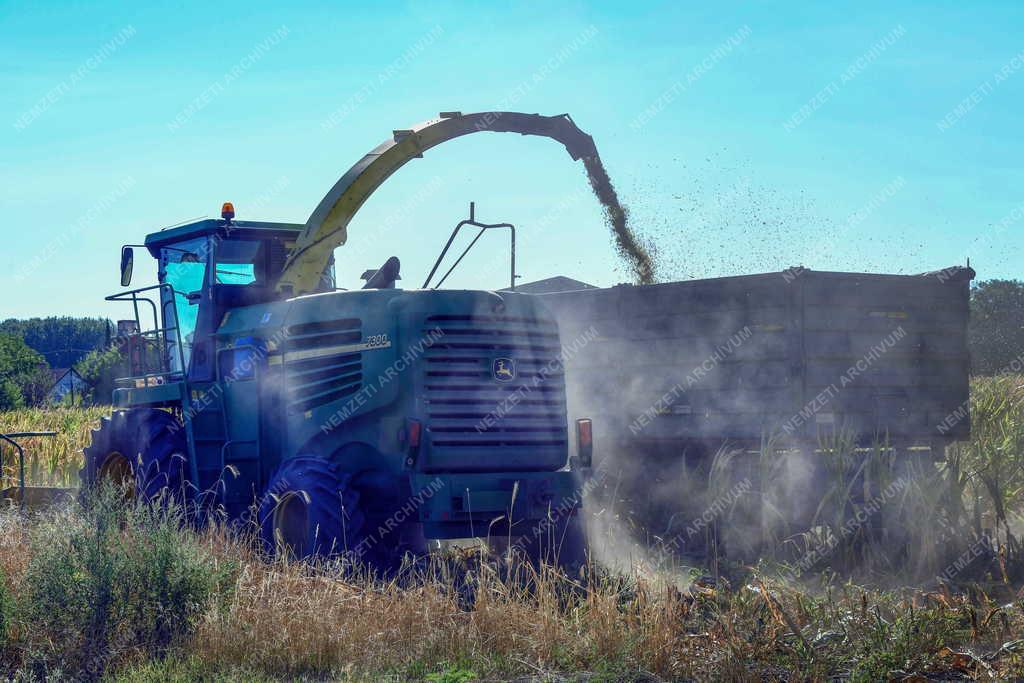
(143, 451)
(311, 510)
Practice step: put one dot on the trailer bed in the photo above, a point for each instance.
(883, 358)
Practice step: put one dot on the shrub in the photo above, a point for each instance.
(100, 368)
(174, 584)
(114, 578)
(996, 331)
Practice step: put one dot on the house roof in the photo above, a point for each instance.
(559, 283)
(57, 374)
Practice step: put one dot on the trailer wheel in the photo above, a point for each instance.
(310, 510)
(143, 451)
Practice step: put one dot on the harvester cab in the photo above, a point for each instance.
(357, 423)
(206, 269)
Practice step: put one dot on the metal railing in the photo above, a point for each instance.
(160, 336)
(10, 438)
(484, 227)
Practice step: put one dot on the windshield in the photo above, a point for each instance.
(183, 267)
(240, 262)
(257, 262)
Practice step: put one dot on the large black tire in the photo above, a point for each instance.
(143, 450)
(310, 510)
(314, 509)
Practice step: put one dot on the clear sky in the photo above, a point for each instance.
(744, 137)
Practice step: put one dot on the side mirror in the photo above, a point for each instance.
(127, 260)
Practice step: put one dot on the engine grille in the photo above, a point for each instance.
(468, 408)
(317, 367)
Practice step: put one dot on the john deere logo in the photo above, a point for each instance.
(503, 369)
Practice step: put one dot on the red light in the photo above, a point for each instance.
(584, 442)
(413, 431)
(227, 211)
(585, 433)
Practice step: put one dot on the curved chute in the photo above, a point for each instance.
(327, 227)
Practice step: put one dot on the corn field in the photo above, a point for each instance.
(49, 461)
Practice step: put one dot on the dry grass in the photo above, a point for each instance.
(291, 620)
(466, 620)
(283, 621)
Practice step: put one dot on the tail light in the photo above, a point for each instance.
(585, 441)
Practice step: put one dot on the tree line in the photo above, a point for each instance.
(30, 348)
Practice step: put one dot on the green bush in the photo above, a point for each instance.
(174, 584)
(99, 369)
(110, 580)
(19, 372)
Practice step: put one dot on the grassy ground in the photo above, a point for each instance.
(82, 601)
(132, 595)
(135, 596)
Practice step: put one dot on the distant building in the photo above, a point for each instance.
(559, 283)
(66, 381)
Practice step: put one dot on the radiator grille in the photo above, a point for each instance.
(468, 407)
(322, 369)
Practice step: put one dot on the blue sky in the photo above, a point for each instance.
(743, 137)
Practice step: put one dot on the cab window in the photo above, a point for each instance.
(240, 262)
(183, 267)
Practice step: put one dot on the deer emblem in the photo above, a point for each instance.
(503, 369)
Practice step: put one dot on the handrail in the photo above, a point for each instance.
(124, 296)
(160, 333)
(152, 336)
(10, 438)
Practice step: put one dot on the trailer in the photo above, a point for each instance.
(674, 373)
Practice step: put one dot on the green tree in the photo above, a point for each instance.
(36, 385)
(19, 366)
(100, 368)
(996, 331)
(62, 341)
